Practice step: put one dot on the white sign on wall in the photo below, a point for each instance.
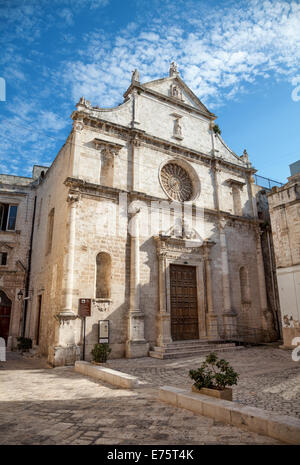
(103, 331)
(2, 350)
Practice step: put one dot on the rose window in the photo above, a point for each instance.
(176, 182)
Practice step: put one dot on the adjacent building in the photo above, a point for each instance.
(17, 203)
(284, 204)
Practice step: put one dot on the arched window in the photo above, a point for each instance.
(244, 284)
(103, 275)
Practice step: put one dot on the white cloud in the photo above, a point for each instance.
(217, 53)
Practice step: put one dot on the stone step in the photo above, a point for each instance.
(184, 348)
(195, 343)
(189, 353)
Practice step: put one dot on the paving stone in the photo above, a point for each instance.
(59, 406)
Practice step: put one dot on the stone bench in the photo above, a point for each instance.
(117, 378)
(281, 427)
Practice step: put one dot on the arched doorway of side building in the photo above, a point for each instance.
(5, 312)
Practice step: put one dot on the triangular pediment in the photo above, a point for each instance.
(176, 89)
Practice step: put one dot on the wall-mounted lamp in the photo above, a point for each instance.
(20, 295)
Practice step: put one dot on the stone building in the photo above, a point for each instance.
(284, 204)
(17, 199)
(147, 212)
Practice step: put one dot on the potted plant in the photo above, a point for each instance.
(100, 353)
(213, 378)
(24, 344)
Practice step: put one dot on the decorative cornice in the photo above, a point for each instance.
(101, 143)
(172, 148)
(234, 182)
(87, 188)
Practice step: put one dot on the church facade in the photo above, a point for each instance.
(148, 215)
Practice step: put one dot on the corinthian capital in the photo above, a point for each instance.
(78, 125)
(73, 199)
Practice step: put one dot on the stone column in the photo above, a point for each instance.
(229, 317)
(211, 316)
(76, 146)
(265, 312)
(164, 318)
(135, 108)
(67, 352)
(135, 169)
(252, 197)
(136, 346)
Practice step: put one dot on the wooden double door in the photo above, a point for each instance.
(184, 306)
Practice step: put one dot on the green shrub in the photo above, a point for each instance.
(217, 129)
(24, 343)
(101, 352)
(214, 373)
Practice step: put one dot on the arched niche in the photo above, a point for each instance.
(103, 276)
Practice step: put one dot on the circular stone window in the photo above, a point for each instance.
(176, 182)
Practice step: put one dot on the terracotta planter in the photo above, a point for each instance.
(104, 364)
(225, 394)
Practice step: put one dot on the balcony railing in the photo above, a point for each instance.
(266, 183)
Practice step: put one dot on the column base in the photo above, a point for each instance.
(137, 349)
(212, 326)
(62, 356)
(164, 324)
(229, 322)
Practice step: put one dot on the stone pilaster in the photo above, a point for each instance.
(76, 146)
(67, 352)
(211, 316)
(164, 318)
(229, 317)
(135, 109)
(267, 316)
(136, 346)
(135, 146)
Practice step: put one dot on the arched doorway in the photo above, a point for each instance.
(5, 311)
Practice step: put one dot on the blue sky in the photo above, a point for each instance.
(241, 58)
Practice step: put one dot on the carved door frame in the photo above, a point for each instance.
(176, 251)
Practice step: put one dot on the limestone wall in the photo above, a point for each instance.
(285, 219)
(47, 275)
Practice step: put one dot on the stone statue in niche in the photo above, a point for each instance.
(176, 91)
(177, 128)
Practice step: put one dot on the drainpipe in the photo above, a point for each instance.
(27, 282)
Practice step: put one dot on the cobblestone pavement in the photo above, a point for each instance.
(39, 405)
(269, 378)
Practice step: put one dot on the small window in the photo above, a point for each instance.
(12, 217)
(8, 217)
(3, 258)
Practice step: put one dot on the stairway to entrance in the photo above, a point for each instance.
(179, 349)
